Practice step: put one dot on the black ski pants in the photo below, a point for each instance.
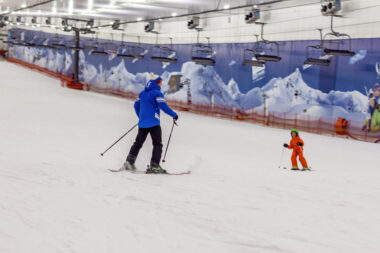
(156, 134)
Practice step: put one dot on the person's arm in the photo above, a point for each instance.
(161, 102)
(300, 142)
(290, 146)
(137, 107)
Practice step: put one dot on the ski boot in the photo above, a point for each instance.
(305, 168)
(155, 169)
(295, 168)
(128, 166)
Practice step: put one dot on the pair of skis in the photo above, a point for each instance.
(144, 172)
(308, 169)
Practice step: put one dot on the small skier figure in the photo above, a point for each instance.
(147, 107)
(296, 143)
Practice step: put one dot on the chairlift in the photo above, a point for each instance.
(29, 41)
(18, 42)
(267, 57)
(338, 52)
(163, 53)
(99, 48)
(9, 42)
(110, 47)
(317, 61)
(47, 43)
(40, 41)
(250, 58)
(15, 38)
(203, 54)
(90, 44)
(130, 51)
(57, 42)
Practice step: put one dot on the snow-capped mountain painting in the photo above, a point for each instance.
(289, 86)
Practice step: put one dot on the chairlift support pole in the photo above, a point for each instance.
(76, 56)
(199, 30)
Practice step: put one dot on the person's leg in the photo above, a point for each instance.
(156, 134)
(294, 159)
(140, 139)
(302, 159)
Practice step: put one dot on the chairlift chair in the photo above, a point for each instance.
(248, 59)
(105, 48)
(316, 61)
(164, 54)
(8, 41)
(41, 41)
(90, 44)
(249, 56)
(47, 43)
(31, 41)
(16, 38)
(130, 51)
(338, 52)
(58, 43)
(203, 54)
(99, 50)
(267, 57)
(17, 41)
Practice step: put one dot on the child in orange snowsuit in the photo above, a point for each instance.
(296, 143)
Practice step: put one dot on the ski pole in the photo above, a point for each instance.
(119, 139)
(170, 136)
(282, 156)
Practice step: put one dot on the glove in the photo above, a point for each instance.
(299, 144)
(176, 118)
(286, 145)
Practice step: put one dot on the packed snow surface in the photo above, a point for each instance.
(57, 195)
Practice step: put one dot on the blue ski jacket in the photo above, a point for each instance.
(148, 106)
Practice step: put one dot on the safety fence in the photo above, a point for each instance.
(303, 122)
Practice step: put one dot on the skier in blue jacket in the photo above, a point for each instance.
(147, 107)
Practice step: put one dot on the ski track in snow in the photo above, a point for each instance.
(57, 195)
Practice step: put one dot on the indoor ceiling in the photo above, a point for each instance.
(135, 10)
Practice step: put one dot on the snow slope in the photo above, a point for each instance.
(57, 195)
